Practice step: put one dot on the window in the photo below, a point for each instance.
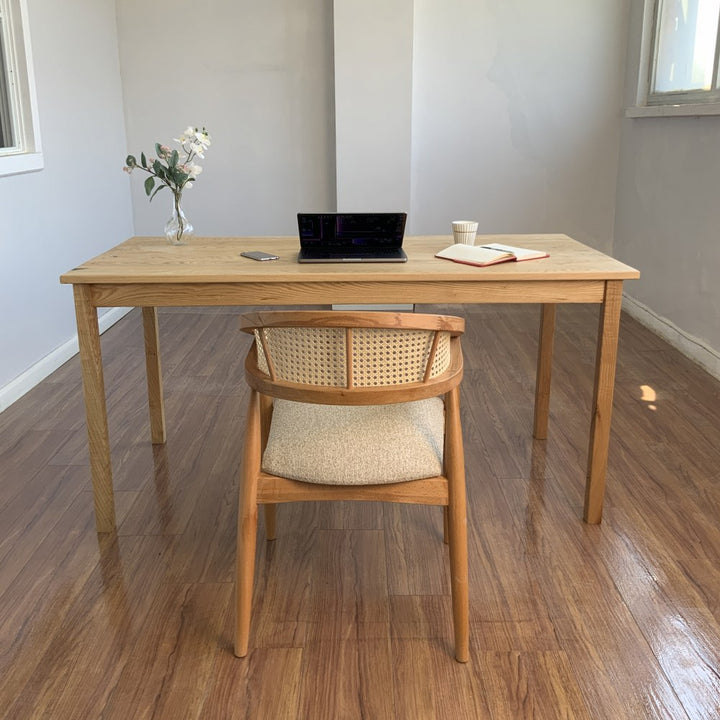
(7, 134)
(684, 55)
(20, 149)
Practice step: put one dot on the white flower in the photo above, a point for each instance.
(194, 170)
(194, 141)
(202, 137)
(189, 133)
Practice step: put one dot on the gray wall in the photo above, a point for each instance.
(259, 76)
(478, 110)
(373, 60)
(79, 204)
(516, 115)
(667, 220)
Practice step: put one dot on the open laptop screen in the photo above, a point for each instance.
(342, 231)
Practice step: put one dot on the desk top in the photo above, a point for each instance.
(217, 260)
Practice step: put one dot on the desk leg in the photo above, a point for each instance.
(605, 362)
(544, 370)
(95, 408)
(154, 375)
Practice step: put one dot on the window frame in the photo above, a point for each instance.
(676, 103)
(25, 155)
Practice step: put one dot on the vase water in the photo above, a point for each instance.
(178, 228)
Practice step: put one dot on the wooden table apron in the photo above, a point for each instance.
(597, 279)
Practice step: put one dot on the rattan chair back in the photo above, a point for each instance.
(313, 355)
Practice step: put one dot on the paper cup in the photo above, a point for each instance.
(464, 231)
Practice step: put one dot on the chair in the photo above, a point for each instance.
(380, 391)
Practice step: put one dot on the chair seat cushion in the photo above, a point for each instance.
(355, 445)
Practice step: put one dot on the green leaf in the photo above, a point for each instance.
(157, 190)
(158, 150)
(159, 169)
(130, 161)
(174, 158)
(143, 160)
(149, 184)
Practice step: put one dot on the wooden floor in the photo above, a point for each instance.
(352, 614)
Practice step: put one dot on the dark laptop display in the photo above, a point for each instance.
(351, 237)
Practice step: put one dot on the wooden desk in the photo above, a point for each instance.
(150, 273)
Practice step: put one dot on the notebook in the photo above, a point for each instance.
(351, 237)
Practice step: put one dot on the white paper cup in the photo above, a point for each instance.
(464, 231)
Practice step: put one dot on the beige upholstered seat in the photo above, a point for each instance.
(353, 406)
(356, 445)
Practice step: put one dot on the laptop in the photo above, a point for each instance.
(351, 237)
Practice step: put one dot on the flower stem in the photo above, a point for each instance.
(178, 212)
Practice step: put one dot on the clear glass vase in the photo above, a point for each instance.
(178, 228)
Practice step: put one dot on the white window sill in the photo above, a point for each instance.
(694, 110)
(21, 163)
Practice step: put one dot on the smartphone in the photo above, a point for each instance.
(258, 255)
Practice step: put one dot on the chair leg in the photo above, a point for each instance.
(270, 513)
(247, 528)
(266, 409)
(457, 526)
(459, 583)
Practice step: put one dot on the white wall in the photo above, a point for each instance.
(667, 221)
(259, 76)
(516, 112)
(373, 104)
(79, 204)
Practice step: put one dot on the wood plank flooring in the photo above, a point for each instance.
(352, 615)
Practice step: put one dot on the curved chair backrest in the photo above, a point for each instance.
(353, 358)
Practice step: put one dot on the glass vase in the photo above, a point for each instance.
(178, 228)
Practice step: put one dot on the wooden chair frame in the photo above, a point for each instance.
(258, 487)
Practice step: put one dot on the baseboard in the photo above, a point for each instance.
(36, 373)
(693, 348)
